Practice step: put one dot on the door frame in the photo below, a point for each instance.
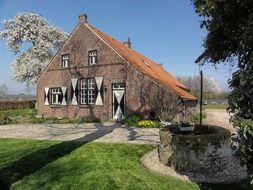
(121, 87)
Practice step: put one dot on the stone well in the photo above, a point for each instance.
(203, 158)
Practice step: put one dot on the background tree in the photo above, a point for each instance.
(28, 89)
(229, 25)
(210, 86)
(40, 40)
(3, 91)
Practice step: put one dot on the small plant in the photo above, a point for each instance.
(196, 117)
(147, 124)
(66, 120)
(36, 120)
(133, 119)
(51, 120)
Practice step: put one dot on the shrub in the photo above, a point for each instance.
(147, 124)
(133, 119)
(25, 104)
(51, 120)
(245, 141)
(4, 120)
(87, 120)
(66, 120)
(37, 120)
(196, 118)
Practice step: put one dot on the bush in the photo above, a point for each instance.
(6, 105)
(86, 120)
(66, 120)
(147, 124)
(37, 120)
(245, 141)
(196, 118)
(133, 119)
(51, 120)
(4, 120)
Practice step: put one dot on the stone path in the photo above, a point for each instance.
(152, 163)
(106, 132)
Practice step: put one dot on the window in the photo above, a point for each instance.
(56, 96)
(65, 61)
(119, 86)
(88, 91)
(92, 57)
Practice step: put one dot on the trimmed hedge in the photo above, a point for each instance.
(24, 104)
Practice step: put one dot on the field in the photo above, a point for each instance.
(215, 106)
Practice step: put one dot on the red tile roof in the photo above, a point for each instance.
(146, 66)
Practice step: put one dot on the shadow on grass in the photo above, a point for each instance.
(32, 162)
(242, 185)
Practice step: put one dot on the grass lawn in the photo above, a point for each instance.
(215, 106)
(29, 164)
(15, 116)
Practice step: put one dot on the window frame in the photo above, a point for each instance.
(65, 61)
(92, 59)
(56, 96)
(88, 91)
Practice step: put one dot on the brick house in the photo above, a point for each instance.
(95, 75)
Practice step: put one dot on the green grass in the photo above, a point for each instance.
(29, 116)
(215, 106)
(29, 164)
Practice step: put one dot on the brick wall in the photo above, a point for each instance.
(110, 66)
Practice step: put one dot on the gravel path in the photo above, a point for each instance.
(106, 132)
(218, 117)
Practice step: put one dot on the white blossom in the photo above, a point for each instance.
(34, 40)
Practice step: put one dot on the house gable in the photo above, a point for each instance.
(81, 41)
(77, 49)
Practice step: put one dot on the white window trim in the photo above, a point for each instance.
(88, 91)
(92, 57)
(65, 61)
(56, 91)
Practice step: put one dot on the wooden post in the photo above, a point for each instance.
(201, 97)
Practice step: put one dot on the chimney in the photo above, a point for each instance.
(83, 18)
(128, 42)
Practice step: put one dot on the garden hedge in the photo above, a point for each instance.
(5, 105)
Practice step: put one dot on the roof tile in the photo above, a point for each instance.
(146, 66)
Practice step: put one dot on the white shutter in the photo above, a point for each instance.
(64, 91)
(46, 91)
(99, 81)
(74, 95)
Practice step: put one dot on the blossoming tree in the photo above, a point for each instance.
(34, 40)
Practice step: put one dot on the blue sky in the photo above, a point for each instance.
(166, 31)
